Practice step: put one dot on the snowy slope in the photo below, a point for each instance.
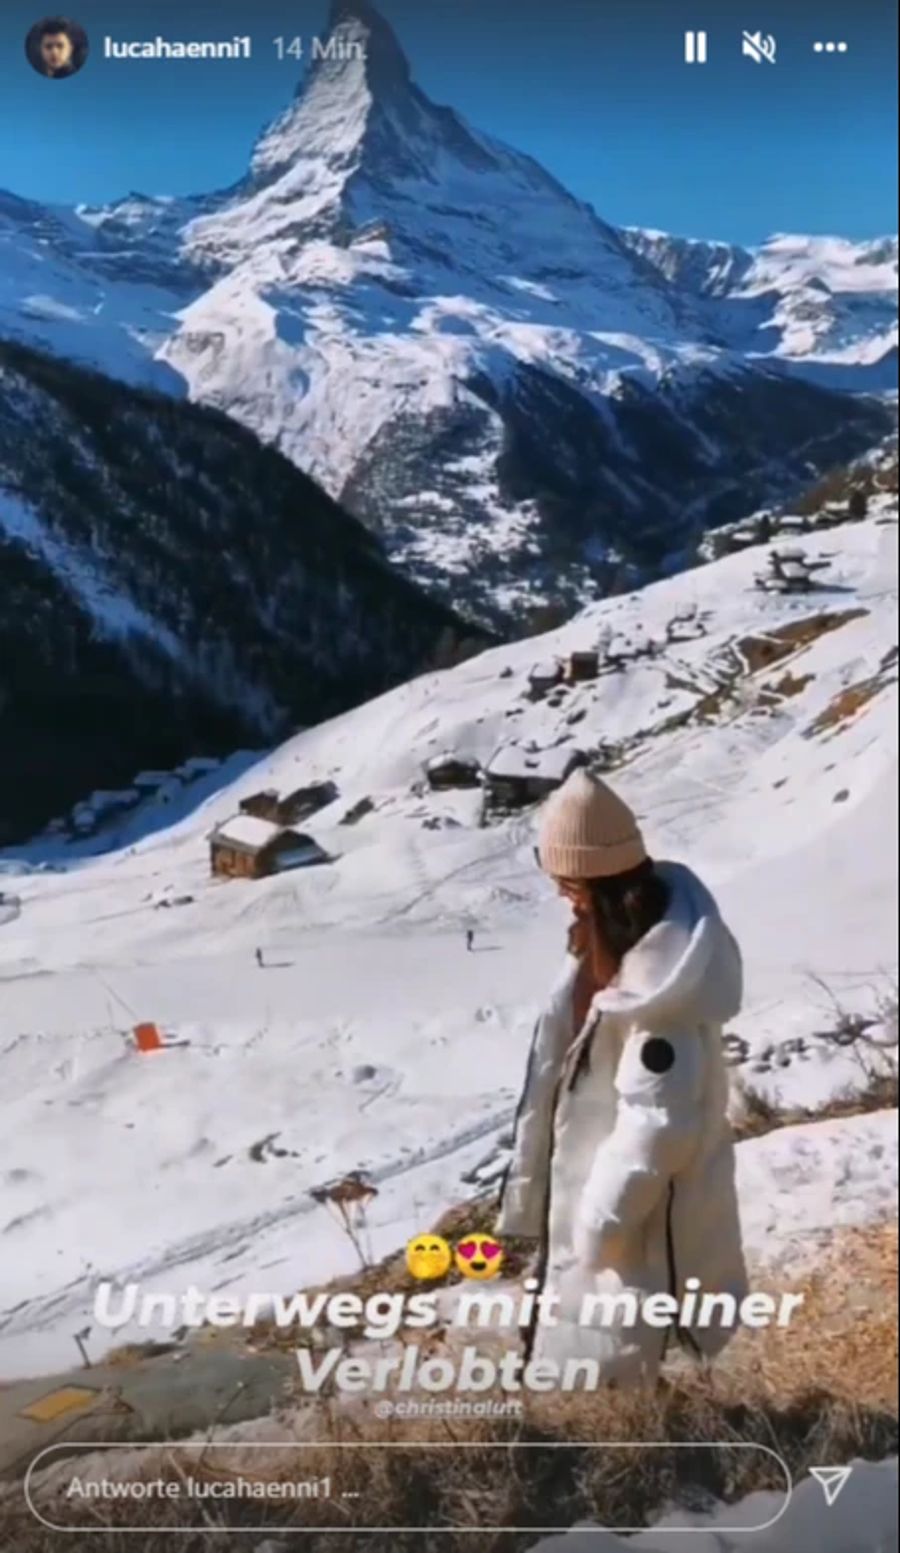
(168, 583)
(777, 783)
(63, 289)
(527, 404)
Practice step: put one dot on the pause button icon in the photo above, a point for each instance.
(696, 48)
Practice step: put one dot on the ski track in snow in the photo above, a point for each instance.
(217, 1247)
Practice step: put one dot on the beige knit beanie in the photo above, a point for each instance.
(587, 832)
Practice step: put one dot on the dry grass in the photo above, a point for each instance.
(391, 1275)
(749, 656)
(129, 1354)
(789, 685)
(822, 1391)
(845, 1340)
(763, 650)
(758, 1115)
(818, 1392)
(844, 707)
(870, 1040)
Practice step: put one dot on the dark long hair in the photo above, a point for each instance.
(626, 906)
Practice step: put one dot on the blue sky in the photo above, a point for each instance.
(595, 89)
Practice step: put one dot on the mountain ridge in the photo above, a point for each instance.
(400, 303)
(172, 588)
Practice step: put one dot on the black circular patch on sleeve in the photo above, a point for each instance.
(658, 1055)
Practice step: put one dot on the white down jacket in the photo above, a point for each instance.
(623, 1161)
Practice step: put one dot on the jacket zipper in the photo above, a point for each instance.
(580, 1052)
(684, 1338)
(517, 1119)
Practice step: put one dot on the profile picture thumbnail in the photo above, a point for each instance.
(57, 47)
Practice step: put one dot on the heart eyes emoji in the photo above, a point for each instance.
(478, 1256)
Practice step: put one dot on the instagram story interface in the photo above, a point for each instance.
(448, 764)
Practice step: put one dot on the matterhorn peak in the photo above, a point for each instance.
(357, 24)
(353, 10)
(355, 68)
(356, 30)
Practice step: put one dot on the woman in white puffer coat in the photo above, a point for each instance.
(623, 1161)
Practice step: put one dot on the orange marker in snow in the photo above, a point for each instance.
(148, 1038)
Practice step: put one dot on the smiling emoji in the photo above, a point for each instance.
(479, 1256)
(428, 1258)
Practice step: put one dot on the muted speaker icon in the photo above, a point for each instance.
(760, 47)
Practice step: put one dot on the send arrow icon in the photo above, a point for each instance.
(833, 1480)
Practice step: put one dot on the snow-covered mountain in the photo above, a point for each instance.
(526, 403)
(168, 584)
(63, 290)
(824, 306)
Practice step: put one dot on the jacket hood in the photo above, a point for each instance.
(689, 963)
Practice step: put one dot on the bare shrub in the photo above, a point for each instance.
(347, 1201)
(457, 1477)
(872, 1041)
